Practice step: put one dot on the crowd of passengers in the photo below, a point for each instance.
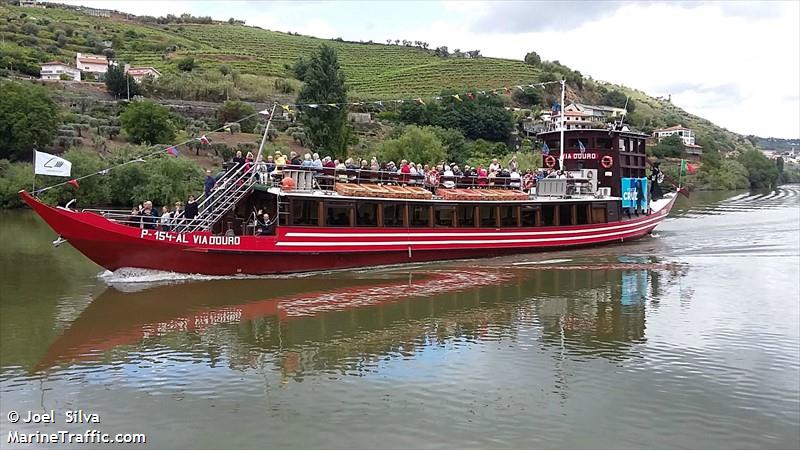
(444, 174)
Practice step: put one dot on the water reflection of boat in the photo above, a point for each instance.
(365, 318)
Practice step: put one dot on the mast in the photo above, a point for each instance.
(561, 149)
(266, 131)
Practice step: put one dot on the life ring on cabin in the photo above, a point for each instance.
(287, 184)
(607, 162)
(550, 161)
(433, 178)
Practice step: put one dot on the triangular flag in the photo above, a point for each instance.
(457, 97)
(173, 150)
(581, 146)
(74, 182)
(286, 108)
(421, 102)
(545, 149)
(334, 105)
(508, 90)
(471, 96)
(203, 139)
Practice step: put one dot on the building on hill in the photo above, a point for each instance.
(54, 70)
(96, 64)
(686, 135)
(579, 116)
(96, 12)
(32, 4)
(140, 73)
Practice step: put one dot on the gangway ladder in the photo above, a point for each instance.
(232, 187)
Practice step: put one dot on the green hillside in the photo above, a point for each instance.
(260, 59)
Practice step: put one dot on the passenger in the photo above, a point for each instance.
(134, 219)
(374, 166)
(457, 171)
(349, 164)
(280, 161)
(494, 166)
(404, 171)
(149, 216)
(513, 165)
(482, 176)
(295, 159)
(448, 180)
(528, 180)
(177, 211)
(191, 208)
(166, 218)
(209, 184)
(328, 163)
(266, 229)
(248, 162)
(656, 177)
(238, 159)
(492, 176)
(315, 161)
(514, 180)
(364, 165)
(307, 161)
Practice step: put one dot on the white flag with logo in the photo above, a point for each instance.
(47, 164)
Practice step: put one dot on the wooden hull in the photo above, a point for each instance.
(304, 249)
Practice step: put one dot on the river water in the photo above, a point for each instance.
(689, 338)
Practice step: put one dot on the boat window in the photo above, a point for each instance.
(420, 215)
(599, 213)
(528, 213)
(443, 215)
(488, 216)
(565, 215)
(548, 215)
(466, 216)
(603, 143)
(367, 215)
(582, 214)
(305, 212)
(338, 214)
(393, 214)
(509, 215)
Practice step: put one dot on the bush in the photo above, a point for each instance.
(730, 174)
(147, 122)
(415, 144)
(27, 118)
(283, 86)
(13, 178)
(763, 173)
(234, 111)
(389, 116)
(186, 64)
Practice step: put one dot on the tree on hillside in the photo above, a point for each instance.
(118, 82)
(28, 117)
(186, 64)
(416, 144)
(232, 111)
(533, 58)
(147, 122)
(618, 99)
(483, 117)
(326, 127)
(669, 147)
(763, 172)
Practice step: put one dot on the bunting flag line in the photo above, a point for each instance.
(173, 150)
(74, 182)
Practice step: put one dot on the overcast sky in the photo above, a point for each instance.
(735, 63)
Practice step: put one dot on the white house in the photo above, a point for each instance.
(581, 116)
(97, 64)
(686, 135)
(139, 73)
(54, 69)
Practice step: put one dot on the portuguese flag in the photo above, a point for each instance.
(687, 167)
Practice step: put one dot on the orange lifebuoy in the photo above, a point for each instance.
(550, 161)
(607, 162)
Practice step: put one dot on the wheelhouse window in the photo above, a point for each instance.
(420, 215)
(466, 216)
(367, 215)
(488, 215)
(305, 212)
(509, 216)
(548, 215)
(393, 214)
(338, 214)
(443, 215)
(528, 215)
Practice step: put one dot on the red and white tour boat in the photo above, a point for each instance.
(325, 219)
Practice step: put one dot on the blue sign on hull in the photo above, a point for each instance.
(634, 193)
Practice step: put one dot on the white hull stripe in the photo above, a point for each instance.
(656, 218)
(459, 242)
